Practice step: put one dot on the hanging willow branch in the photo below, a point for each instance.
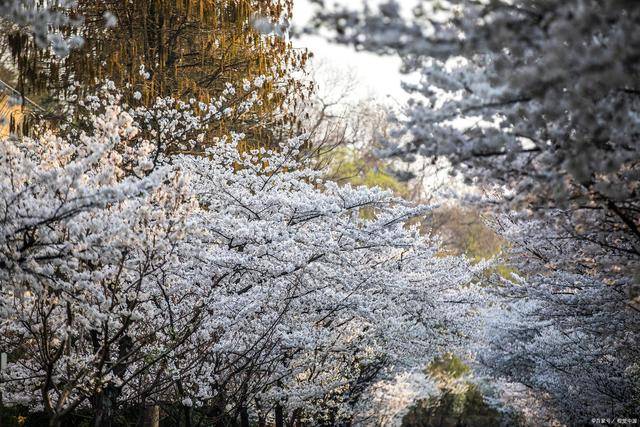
(190, 48)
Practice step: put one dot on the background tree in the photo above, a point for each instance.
(537, 97)
(188, 49)
(459, 402)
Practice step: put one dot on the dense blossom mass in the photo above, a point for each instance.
(234, 282)
(567, 337)
(537, 102)
(184, 239)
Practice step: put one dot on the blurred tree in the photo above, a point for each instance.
(460, 403)
(539, 98)
(464, 232)
(344, 132)
(188, 49)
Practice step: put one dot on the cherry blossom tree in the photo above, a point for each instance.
(536, 102)
(322, 298)
(568, 337)
(538, 97)
(90, 231)
(223, 286)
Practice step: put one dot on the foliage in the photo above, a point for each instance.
(188, 49)
(350, 165)
(464, 231)
(459, 402)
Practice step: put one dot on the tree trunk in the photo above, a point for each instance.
(151, 416)
(187, 416)
(244, 417)
(293, 421)
(104, 407)
(279, 416)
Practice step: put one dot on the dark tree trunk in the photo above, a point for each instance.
(105, 402)
(244, 417)
(188, 422)
(279, 416)
(151, 416)
(293, 421)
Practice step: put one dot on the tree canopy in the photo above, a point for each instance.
(185, 49)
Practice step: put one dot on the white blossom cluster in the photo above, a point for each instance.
(569, 338)
(226, 283)
(43, 19)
